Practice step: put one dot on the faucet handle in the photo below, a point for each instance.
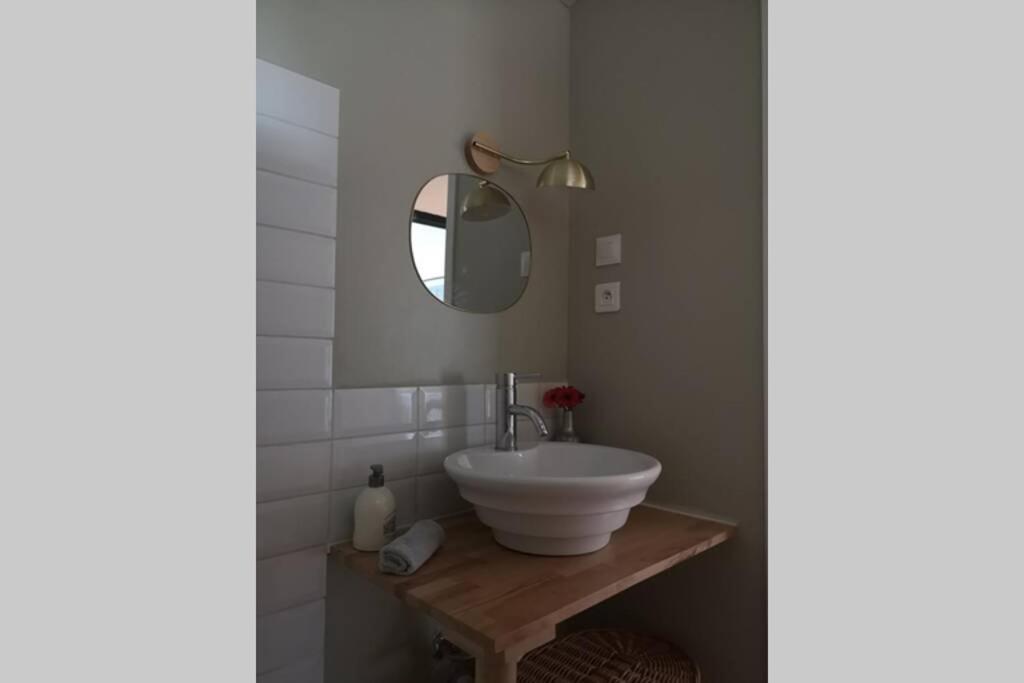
(507, 379)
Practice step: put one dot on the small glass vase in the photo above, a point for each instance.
(566, 432)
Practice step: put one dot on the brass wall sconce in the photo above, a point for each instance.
(485, 203)
(561, 170)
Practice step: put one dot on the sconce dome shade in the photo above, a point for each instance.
(485, 203)
(566, 173)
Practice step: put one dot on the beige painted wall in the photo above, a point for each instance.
(666, 110)
(416, 79)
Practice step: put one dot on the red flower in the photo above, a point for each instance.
(566, 398)
(549, 397)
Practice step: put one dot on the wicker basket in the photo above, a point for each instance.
(608, 656)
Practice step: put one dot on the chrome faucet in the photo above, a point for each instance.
(507, 412)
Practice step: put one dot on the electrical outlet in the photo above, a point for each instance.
(606, 297)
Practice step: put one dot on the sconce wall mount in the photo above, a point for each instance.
(485, 157)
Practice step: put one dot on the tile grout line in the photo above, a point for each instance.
(293, 177)
(330, 482)
(349, 437)
(338, 489)
(296, 284)
(299, 77)
(293, 336)
(299, 231)
(304, 603)
(290, 552)
(297, 125)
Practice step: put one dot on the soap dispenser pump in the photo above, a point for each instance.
(374, 513)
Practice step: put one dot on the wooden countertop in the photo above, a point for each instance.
(496, 602)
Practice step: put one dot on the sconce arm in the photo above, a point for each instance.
(523, 162)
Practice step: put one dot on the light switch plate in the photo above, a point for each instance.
(606, 297)
(608, 250)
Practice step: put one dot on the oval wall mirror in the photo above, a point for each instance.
(470, 243)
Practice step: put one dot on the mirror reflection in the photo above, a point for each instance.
(470, 243)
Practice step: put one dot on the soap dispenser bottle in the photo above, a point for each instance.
(375, 513)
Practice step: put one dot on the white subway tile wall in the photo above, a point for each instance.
(293, 363)
(294, 310)
(283, 526)
(292, 415)
(287, 149)
(365, 412)
(288, 580)
(406, 502)
(341, 513)
(452, 406)
(285, 202)
(437, 444)
(292, 470)
(306, 671)
(353, 457)
(289, 636)
(296, 212)
(295, 98)
(292, 257)
(489, 390)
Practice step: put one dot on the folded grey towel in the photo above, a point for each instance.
(408, 552)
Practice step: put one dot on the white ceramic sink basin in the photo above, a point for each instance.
(553, 498)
